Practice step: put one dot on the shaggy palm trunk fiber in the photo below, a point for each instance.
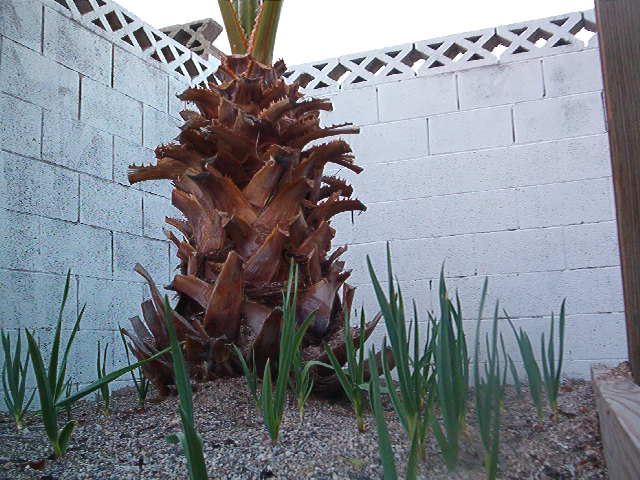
(254, 198)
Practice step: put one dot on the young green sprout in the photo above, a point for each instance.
(489, 391)
(250, 374)
(384, 440)
(140, 381)
(550, 368)
(104, 395)
(414, 399)
(452, 376)
(14, 378)
(272, 401)
(531, 367)
(189, 437)
(301, 381)
(352, 379)
(51, 383)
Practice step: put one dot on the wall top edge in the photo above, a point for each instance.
(569, 32)
(503, 44)
(124, 29)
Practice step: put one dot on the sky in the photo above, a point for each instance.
(315, 30)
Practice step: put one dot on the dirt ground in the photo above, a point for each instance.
(131, 445)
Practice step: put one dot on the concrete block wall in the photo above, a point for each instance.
(76, 108)
(498, 167)
(500, 171)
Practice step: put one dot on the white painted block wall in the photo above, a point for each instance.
(77, 106)
(500, 171)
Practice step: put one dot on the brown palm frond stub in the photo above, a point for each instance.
(247, 168)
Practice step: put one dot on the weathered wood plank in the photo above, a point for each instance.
(619, 36)
(618, 402)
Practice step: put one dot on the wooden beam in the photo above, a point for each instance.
(619, 36)
(618, 403)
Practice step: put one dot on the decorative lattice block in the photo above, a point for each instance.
(537, 38)
(456, 52)
(197, 36)
(122, 27)
(378, 66)
(324, 75)
(590, 27)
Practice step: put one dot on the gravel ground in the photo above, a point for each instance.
(131, 445)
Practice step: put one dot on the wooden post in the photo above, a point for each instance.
(619, 36)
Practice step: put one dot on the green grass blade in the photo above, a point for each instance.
(55, 347)
(63, 366)
(47, 405)
(65, 436)
(384, 440)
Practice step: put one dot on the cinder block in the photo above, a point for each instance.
(500, 84)
(596, 337)
(39, 79)
(392, 220)
(155, 209)
(72, 45)
(358, 106)
(20, 237)
(365, 297)
(388, 142)
(437, 216)
(176, 87)
(470, 130)
(21, 21)
(561, 117)
(84, 353)
(110, 110)
(422, 258)
(344, 225)
(77, 146)
(469, 213)
(384, 182)
(593, 337)
(109, 303)
(39, 188)
(83, 249)
(517, 165)
(140, 79)
(159, 127)
(122, 210)
(592, 245)
(35, 299)
(504, 167)
(520, 251)
(151, 254)
(20, 133)
(127, 153)
(572, 73)
(593, 290)
(356, 261)
(417, 291)
(584, 201)
(420, 97)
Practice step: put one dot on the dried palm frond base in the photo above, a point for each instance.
(255, 198)
(327, 445)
